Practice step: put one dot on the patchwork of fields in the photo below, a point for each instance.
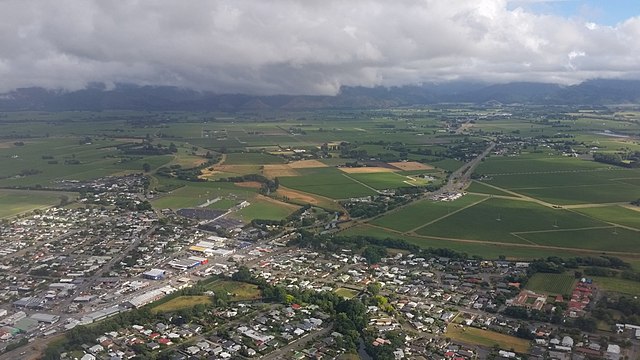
(336, 184)
(526, 202)
(562, 180)
(512, 221)
(515, 206)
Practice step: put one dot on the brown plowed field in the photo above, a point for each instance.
(410, 165)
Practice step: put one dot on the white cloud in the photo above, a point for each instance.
(289, 46)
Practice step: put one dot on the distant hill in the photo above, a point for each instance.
(132, 97)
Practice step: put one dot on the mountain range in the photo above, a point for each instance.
(97, 97)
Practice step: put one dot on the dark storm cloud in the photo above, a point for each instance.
(281, 46)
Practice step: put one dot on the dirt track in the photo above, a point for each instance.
(365, 170)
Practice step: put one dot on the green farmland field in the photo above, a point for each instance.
(328, 182)
(495, 220)
(586, 194)
(447, 164)
(67, 158)
(265, 209)
(554, 284)
(618, 285)
(481, 188)
(573, 187)
(252, 159)
(564, 178)
(195, 194)
(614, 214)
(607, 239)
(532, 163)
(14, 202)
(387, 180)
(485, 250)
(422, 212)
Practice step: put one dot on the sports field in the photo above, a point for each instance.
(181, 303)
(237, 291)
(346, 293)
(551, 284)
(475, 336)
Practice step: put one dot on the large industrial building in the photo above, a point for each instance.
(149, 296)
(45, 318)
(190, 263)
(154, 274)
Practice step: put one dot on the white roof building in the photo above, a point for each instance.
(613, 349)
(567, 341)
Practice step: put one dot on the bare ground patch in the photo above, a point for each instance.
(128, 140)
(233, 170)
(632, 207)
(277, 202)
(410, 165)
(208, 173)
(296, 195)
(6, 144)
(281, 152)
(249, 184)
(365, 170)
(272, 171)
(188, 161)
(305, 164)
(306, 198)
(237, 169)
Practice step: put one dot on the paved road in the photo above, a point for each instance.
(459, 179)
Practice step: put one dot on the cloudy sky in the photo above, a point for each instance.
(314, 46)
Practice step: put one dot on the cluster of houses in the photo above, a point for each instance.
(569, 348)
(580, 298)
(120, 344)
(267, 330)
